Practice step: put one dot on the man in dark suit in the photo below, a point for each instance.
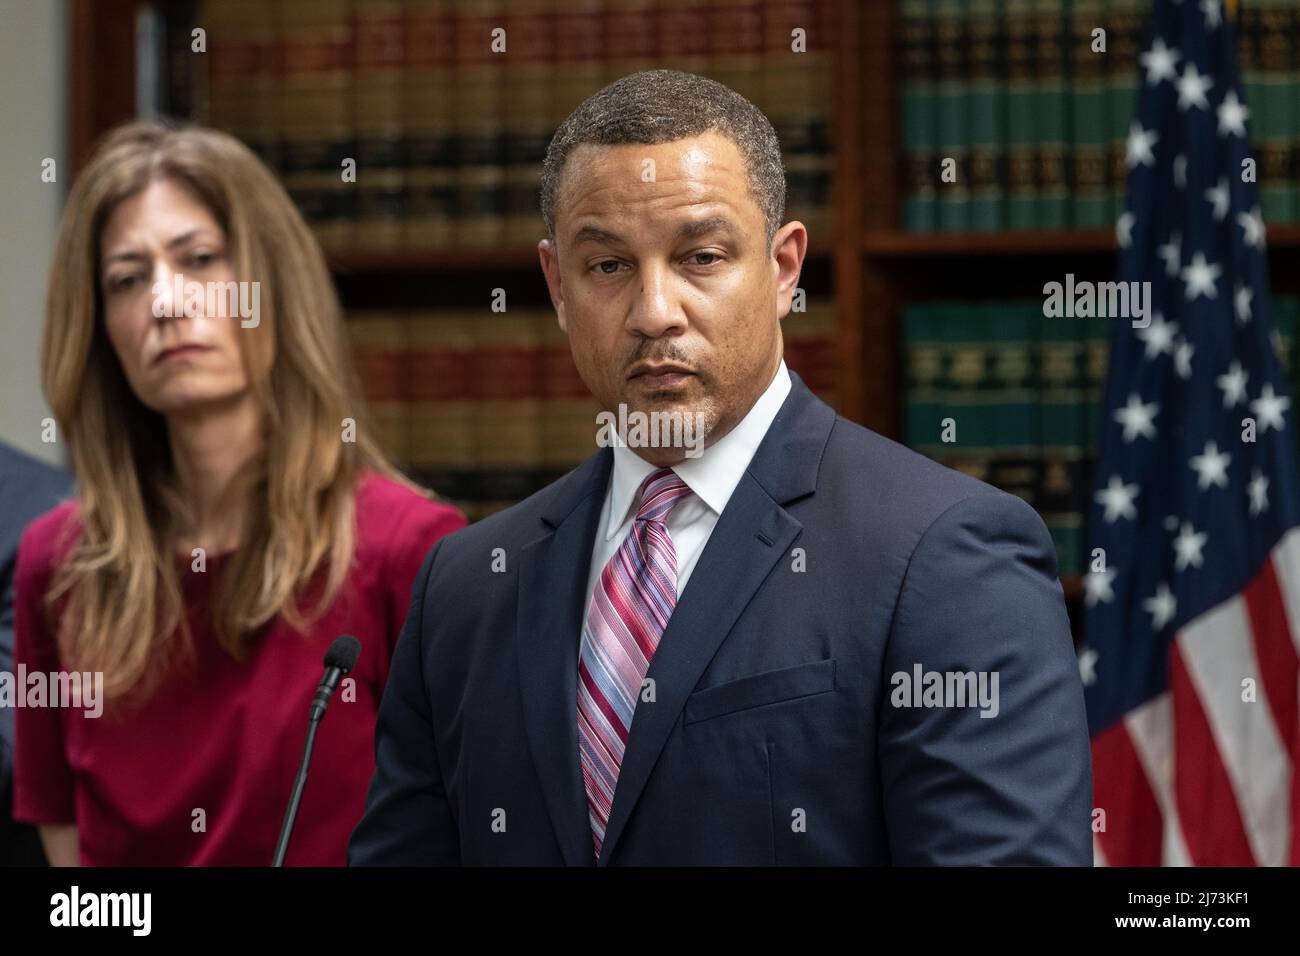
(28, 488)
(807, 645)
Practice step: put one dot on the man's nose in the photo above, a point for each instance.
(656, 310)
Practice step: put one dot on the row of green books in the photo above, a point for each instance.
(999, 391)
(446, 106)
(996, 390)
(1268, 53)
(1015, 113)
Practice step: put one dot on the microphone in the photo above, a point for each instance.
(339, 660)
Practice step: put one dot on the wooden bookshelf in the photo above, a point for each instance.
(870, 266)
(875, 268)
(103, 95)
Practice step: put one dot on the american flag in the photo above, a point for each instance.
(1192, 605)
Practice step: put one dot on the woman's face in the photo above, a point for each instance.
(167, 280)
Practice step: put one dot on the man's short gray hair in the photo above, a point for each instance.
(662, 106)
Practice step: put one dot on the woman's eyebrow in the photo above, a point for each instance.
(134, 254)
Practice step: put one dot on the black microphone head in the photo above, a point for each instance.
(343, 653)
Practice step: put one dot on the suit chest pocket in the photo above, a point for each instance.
(757, 690)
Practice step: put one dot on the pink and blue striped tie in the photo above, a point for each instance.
(629, 610)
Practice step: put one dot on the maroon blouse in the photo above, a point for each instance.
(200, 774)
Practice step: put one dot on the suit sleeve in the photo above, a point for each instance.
(408, 819)
(981, 595)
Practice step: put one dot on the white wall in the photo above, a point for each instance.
(34, 69)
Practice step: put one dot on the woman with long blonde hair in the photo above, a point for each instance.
(233, 517)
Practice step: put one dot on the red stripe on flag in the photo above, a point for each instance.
(1279, 672)
(1207, 804)
(1120, 787)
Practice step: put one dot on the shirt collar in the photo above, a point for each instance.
(713, 476)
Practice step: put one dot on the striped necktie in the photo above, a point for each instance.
(629, 610)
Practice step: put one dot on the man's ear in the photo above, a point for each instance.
(789, 246)
(550, 260)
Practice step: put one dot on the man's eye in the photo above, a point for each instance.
(607, 262)
(707, 255)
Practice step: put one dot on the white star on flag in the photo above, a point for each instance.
(1192, 88)
(1233, 383)
(1219, 196)
(1140, 142)
(1158, 336)
(1088, 666)
(1124, 229)
(1172, 253)
(1252, 224)
(1183, 359)
(1117, 499)
(1241, 301)
(1269, 408)
(1136, 418)
(1232, 115)
(1096, 587)
(1212, 13)
(1187, 548)
(1200, 277)
(1257, 489)
(1161, 606)
(1211, 467)
(1159, 62)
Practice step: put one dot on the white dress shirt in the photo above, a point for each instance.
(712, 477)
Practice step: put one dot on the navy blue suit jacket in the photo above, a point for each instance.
(775, 735)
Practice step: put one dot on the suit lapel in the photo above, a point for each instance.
(552, 584)
(753, 533)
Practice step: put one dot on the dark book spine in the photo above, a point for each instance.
(920, 115)
(1022, 133)
(987, 110)
(954, 116)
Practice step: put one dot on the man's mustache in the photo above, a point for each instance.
(660, 357)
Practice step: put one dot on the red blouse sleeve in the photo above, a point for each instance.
(43, 782)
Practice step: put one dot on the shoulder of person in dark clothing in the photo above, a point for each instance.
(28, 488)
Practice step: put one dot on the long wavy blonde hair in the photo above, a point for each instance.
(124, 613)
